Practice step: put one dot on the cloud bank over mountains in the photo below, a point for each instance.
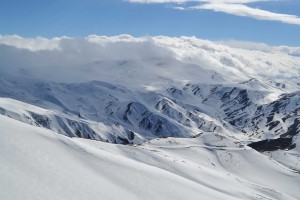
(234, 7)
(144, 59)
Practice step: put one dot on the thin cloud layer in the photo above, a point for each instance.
(233, 7)
(206, 1)
(246, 11)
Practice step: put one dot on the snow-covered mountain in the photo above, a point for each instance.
(165, 100)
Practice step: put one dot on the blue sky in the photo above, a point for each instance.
(79, 18)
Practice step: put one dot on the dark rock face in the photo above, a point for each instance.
(140, 117)
(41, 120)
(285, 142)
(293, 130)
(273, 145)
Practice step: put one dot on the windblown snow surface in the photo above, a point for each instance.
(148, 118)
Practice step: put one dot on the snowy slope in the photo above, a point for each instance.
(37, 163)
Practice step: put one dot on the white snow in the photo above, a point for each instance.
(39, 164)
(141, 90)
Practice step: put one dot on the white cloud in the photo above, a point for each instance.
(179, 8)
(246, 11)
(33, 44)
(205, 1)
(247, 45)
(234, 7)
(143, 59)
(157, 1)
